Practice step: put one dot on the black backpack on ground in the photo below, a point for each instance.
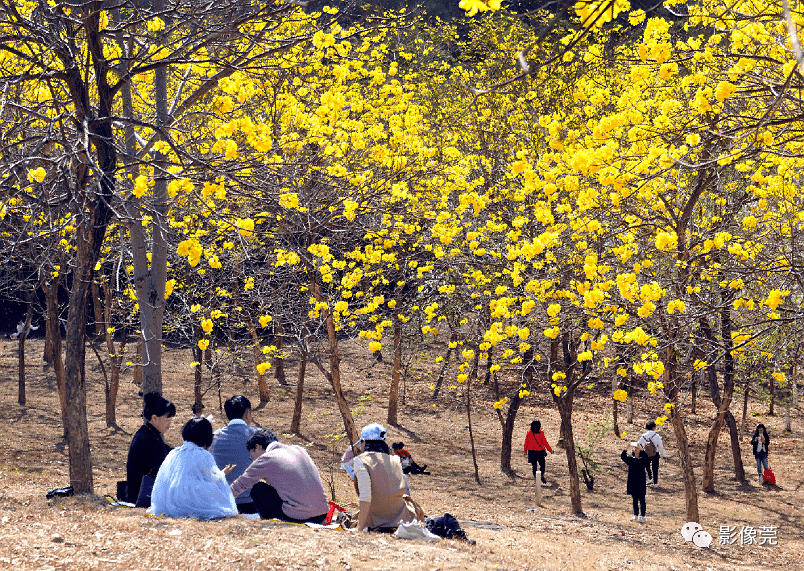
(446, 526)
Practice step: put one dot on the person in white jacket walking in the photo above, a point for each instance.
(652, 463)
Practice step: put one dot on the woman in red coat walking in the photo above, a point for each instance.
(536, 447)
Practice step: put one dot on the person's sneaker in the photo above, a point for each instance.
(655, 486)
(415, 530)
(642, 519)
(634, 518)
(761, 480)
(544, 481)
(650, 481)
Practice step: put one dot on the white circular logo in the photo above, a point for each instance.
(689, 530)
(702, 538)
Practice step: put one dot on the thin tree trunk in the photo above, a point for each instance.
(694, 393)
(772, 386)
(335, 364)
(97, 307)
(393, 397)
(137, 380)
(452, 339)
(615, 384)
(564, 405)
(734, 437)
(21, 399)
(629, 403)
(262, 384)
(115, 359)
(295, 423)
(279, 360)
(746, 389)
(472, 375)
(53, 334)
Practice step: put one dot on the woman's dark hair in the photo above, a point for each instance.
(756, 432)
(376, 446)
(535, 427)
(263, 437)
(398, 445)
(155, 404)
(651, 425)
(198, 430)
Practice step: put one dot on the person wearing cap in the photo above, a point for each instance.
(382, 487)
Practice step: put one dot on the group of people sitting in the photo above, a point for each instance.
(242, 469)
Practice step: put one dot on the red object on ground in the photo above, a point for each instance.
(769, 477)
(332, 507)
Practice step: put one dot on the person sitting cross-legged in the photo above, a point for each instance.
(189, 484)
(292, 488)
(229, 446)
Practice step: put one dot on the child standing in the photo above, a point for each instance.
(536, 448)
(636, 487)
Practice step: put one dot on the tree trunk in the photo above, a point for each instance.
(335, 364)
(97, 307)
(472, 375)
(694, 393)
(772, 386)
(279, 360)
(615, 384)
(198, 357)
(510, 417)
(137, 380)
(21, 348)
(255, 348)
(115, 359)
(734, 436)
(687, 472)
(393, 397)
(295, 423)
(629, 403)
(746, 389)
(564, 405)
(53, 334)
(452, 339)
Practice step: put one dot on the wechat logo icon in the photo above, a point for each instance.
(692, 531)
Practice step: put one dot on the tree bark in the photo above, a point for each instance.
(472, 375)
(21, 398)
(734, 436)
(279, 360)
(393, 396)
(510, 417)
(687, 472)
(746, 389)
(53, 334)
(452, 339)
(295, 423)
(615, 384)
(115, 359)
(335, 363)
(564, 405)
(262, 384)
(629, 402)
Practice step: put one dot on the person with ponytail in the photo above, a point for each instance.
(536, 448)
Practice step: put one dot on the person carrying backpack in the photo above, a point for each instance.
(652, 447)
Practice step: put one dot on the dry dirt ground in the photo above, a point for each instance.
(85, 533)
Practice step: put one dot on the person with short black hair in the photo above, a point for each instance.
(148, 449)
(651, 453)
(229, 445)
(292, 489)
(189, 484)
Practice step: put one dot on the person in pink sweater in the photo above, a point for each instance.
(536, 448)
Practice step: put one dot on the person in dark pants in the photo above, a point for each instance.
(292, 490)
(229, 446)
(651, 437)
(148, 450)
(536, 448)
(635, 486)
(759, 445)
